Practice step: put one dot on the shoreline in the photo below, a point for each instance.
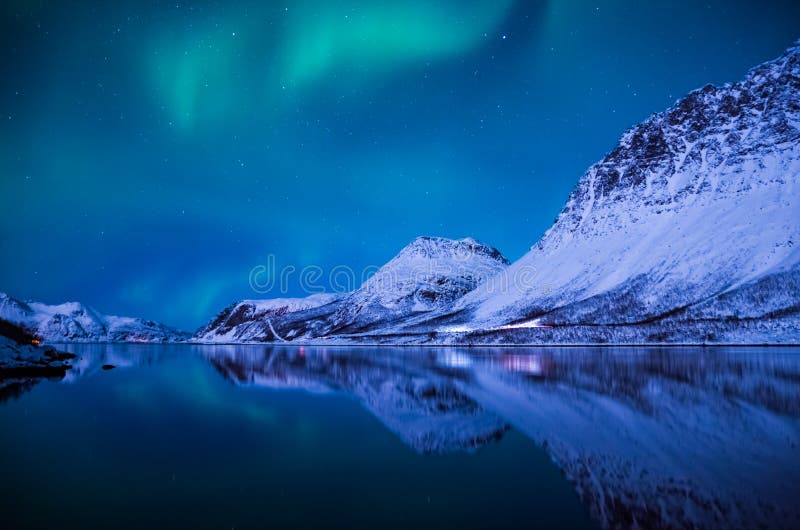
(429, 345)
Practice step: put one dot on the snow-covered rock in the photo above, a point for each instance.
(23, 362)
(73, 321)
(30, 360)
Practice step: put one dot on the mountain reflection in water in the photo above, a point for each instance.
(649, 437)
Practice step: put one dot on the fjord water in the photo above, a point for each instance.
(366, 437)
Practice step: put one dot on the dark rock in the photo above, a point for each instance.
(17, 333)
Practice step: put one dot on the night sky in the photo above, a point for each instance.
(153, 153)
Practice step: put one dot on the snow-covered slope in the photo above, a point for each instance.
(688, 231)
(429, 274)
(73, 321)
(426, 277)
(250, 320)
(694, 207)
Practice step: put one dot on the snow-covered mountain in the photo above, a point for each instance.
(689, 229)
(425, 278)
(73, 321)
(428, 275)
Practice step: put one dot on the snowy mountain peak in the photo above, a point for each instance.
(12, 309)
(442, 248)
(426, 275)
(429, 274)
(696, 202)
(72, 321)
(686, 232)
(665, 160)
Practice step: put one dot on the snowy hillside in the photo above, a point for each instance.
(695, 216)
(688, 231)
(426, 277)
(430, 274)
(252, 319)
(73, 321)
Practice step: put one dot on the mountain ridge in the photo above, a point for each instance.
(75, 322)
(685, 232)
(669, 214)
(425, 277)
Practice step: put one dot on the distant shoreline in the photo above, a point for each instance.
(429, 345)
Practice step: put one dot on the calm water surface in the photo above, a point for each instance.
(267, 437)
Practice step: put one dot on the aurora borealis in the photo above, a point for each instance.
(153, 153)
(287, 52)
